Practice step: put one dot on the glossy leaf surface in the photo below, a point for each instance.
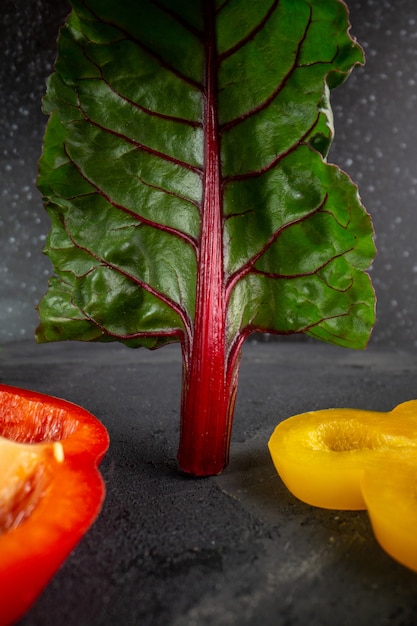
(184, 170)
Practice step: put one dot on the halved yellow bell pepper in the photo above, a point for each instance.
(354, 459)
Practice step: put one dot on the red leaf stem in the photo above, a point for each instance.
(209, 387)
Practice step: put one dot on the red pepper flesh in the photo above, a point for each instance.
(55, 502)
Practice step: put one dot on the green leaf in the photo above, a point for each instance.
(184, 169)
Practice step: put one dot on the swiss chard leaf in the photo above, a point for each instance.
(184, 169)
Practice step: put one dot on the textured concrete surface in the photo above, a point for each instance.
(232, 550)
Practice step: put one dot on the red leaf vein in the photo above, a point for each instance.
(240, 44)
(133, 103)
(249, 265)
(163, 227)
(137, 281)
(175, 333)
(315, 272)
(147, 49)
(140, 146)
(186, 25)
(263, 105)
(275, 161)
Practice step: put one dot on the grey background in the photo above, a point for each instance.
(375, 143)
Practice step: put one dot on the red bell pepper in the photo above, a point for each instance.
(50, 490)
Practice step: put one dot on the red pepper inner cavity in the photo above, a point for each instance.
(26, 470)
(30, 421)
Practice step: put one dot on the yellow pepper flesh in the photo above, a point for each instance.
(391, 499)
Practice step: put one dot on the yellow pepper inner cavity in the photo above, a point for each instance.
(344, 435)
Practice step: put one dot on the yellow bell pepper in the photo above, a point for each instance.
(354, 459)
(391, 498)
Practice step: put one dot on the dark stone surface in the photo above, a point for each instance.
(232, 550)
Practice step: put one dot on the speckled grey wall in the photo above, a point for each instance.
(28, 31)
(376, 143)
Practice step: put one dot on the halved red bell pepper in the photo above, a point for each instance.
(50, 490)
